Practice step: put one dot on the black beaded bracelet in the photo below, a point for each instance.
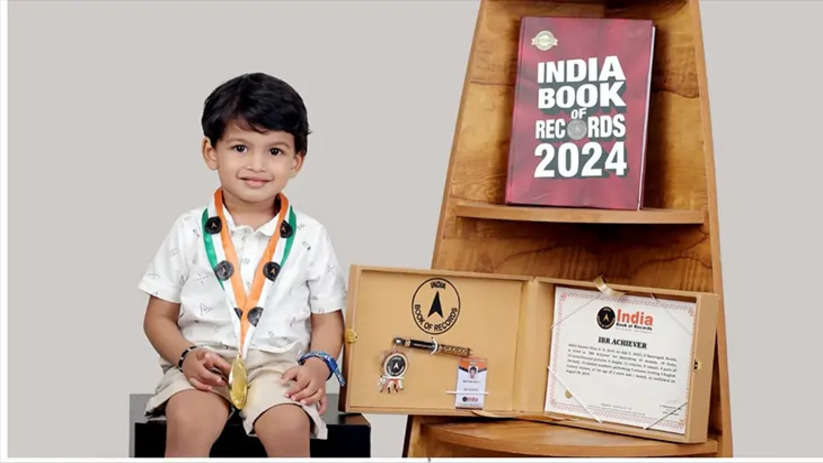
(183, 356)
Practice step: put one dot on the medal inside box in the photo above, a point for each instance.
(505, 320)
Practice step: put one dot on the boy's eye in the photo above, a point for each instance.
(239, 148)
(276, 151)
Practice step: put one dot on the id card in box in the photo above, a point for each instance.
(471, 383)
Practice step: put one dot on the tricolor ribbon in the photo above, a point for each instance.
(245, 313)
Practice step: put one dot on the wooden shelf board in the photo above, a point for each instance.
(481, 210)
(544, 439)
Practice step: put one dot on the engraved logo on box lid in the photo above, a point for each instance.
(436, 305)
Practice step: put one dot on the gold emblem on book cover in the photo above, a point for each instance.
(544, 40)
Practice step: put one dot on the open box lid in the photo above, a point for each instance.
(504, 319)
(385, 303)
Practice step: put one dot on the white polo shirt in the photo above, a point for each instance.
(311, 281)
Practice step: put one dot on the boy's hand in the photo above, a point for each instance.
(309, 383)
(201, 368)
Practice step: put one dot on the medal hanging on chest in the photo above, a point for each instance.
(226, 266)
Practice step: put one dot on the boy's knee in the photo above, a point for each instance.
(283, 421)
(183, 419)
(200, 416)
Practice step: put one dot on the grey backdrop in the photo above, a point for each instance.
(105, 99)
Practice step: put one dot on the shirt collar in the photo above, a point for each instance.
(267, 228)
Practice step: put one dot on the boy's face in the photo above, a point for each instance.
(253, 167)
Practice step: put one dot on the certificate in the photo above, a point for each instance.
(621, 359)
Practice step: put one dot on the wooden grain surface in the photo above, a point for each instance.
(577, 215)
(720, 416)
(529, 438)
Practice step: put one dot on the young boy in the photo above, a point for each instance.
(245, 294)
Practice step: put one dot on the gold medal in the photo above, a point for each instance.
(238, 383)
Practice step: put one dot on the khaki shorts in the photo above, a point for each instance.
(265, 389)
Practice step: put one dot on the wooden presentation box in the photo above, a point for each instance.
(505, 319)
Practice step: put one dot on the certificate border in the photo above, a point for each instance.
(578, 410)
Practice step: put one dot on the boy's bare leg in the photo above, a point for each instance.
(194, 420)
(284, 431)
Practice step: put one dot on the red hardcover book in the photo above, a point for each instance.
(580, 113)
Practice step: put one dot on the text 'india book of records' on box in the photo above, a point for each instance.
(580, 113)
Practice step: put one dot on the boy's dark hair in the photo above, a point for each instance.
(258, 102)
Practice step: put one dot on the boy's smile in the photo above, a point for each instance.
(253, 167)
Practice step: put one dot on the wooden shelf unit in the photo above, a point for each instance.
(672, 243)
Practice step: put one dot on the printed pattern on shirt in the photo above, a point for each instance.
(311, 281)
